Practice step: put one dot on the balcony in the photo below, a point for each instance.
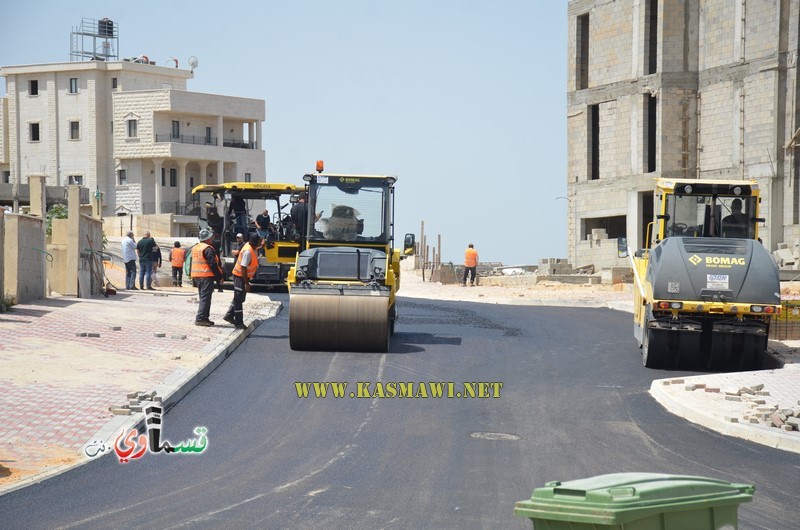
(204, 140)
(186, 139)
(173, 207)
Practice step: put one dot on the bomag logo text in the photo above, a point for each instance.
(722, 260)
(716, 262)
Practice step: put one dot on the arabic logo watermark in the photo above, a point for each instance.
(134, 445)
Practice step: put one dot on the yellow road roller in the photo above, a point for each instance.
(342, 289)
(706, 289)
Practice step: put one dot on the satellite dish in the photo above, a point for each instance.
(193, 62)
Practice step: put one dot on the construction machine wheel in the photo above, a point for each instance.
(652, 350)
(339, 322)
(392, 318)
(753, 350)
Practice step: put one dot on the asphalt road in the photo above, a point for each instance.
(573, 404)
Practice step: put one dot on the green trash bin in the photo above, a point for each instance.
(636, 501)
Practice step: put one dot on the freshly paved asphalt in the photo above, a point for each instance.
(574, 404)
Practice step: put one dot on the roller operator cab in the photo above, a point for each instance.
(342, 289)
(706, 288)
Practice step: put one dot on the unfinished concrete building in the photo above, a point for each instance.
(678, 88)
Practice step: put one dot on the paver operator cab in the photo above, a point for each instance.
(342, 289)
(282, 241)
(705, 287)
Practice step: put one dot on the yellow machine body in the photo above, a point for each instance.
(344, 283)
(705, 288)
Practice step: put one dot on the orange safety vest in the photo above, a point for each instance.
(471, 258)
(200, 268)
(252, 268)
(178, 257)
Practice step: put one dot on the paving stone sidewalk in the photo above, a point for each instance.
(65, 361)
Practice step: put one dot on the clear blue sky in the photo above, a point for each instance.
(463, 100)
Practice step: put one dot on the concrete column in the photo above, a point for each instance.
(38, 187)
(157, 181)
(74, 245)
(182, 182)
(220, 131)
(220, 172)
(260, 144)
(3, 255)
(251, 133)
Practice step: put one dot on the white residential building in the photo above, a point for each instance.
(128, 130)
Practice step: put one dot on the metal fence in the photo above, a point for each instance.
(173, 207)
(186, 139)
(786, 326)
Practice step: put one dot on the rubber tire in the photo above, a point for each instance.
(650, 359)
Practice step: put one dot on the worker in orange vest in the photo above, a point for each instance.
(243, 271)
(205, 272)
(177, 258)
(470, 265)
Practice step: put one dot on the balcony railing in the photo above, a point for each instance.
(238, 143)
(173, 207)
(204, 140)
(186, 139)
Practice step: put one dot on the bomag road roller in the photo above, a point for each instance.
(342, 289)
(705, 287)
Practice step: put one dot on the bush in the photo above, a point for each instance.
(56, 211)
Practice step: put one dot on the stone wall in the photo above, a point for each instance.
(24, 258)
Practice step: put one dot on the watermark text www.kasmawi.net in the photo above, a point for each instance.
(395, 389)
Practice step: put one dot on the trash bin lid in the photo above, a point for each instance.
(619, 498)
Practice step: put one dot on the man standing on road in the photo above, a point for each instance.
(129, 257)
(470, 265)
(145, 249)
(244, 271)
(177, 258)
(205, 273)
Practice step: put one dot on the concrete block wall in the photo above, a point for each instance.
(24, 261)
(4, 157)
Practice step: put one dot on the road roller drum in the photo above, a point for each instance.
(339, 320)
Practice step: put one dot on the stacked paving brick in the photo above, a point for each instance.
(755, 398)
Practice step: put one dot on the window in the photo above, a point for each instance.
(74, 130)
(173, 177)
(73, 85)
(6, 177)
(33, 87)
(176, 129)
(122, 177)
(248, 177)
(133, 128)
(113, 83)
(208, 135)
(582, 52)
(34, 132)
(594, 141)
(650, 132)
(614, 227)
(76, 180)
(163, 176)
(651, 37)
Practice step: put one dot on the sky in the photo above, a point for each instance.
(463, 100)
